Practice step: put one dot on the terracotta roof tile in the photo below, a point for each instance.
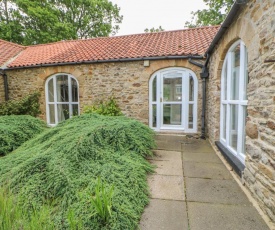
(170, 43)
(8, 50)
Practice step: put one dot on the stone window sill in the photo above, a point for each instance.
(231, 159)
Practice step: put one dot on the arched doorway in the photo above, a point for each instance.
(173, 100)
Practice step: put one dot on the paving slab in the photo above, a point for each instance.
(166, 187)
(201, 157)
(167, 167)
(164, 215)
(226, 217)
(197, 146)
(166, 155)
(179, 143)
(214, 199)
(215, 191)
(169, 145)
(206, 170)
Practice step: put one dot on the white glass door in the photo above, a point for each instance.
(171, 101)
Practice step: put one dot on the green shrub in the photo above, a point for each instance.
(15, 130)
(61, 166)
(108, 108)
(29, 105)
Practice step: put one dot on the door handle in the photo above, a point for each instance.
(161, 99)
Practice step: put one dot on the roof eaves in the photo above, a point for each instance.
(233, 13)
(107, 60)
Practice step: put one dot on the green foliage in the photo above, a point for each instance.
(34, 22)
(102, 201)
(152, 30)
(108, 108)
(14, 216)
(214, 15)
(29, 105)
(74, 223)
(60, 167)
(15, 130)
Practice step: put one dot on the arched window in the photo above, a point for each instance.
(234, 100)
(61, 98)
(173, 100)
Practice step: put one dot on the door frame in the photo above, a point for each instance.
(187, 73)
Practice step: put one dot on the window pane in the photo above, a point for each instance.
(235, 74)
(246, 80)
(154, 89)
(172, 89)
(50, 91)
(74, 90)
(63, 112)
(191, 116)
(154, 114)
(191, 88)
(62, 88)
(233, 137)
(75, 110)
(224, 121)
(225, 81)
(51, 114)
(171, 114)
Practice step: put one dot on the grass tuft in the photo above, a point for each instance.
(15, 216)
(102, 201)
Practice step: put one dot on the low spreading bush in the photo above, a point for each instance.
(61, 167)
(15, 130)
(28, 105)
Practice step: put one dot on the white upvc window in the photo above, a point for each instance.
(234, 100)
(62, 100)
(173, 99)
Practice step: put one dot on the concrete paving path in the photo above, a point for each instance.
(192, 189)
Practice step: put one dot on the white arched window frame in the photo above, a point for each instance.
(187, 91)
(62, 98)
(234, 100)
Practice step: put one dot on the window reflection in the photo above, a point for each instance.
(235, 78)
(172, 90)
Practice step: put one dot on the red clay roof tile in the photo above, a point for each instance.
(8, 50)
(193, 41)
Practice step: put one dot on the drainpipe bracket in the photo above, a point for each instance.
(204, 74)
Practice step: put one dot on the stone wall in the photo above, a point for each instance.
(255, 26)
(128, 82)
(2, 90)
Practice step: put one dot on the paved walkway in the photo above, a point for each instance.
(192, 189)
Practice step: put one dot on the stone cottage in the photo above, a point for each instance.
(217, 82)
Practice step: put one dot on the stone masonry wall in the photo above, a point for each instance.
(2, 90)
(128, 82)
(255, 26)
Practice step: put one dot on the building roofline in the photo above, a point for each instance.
(119, 36)
(108, 61)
